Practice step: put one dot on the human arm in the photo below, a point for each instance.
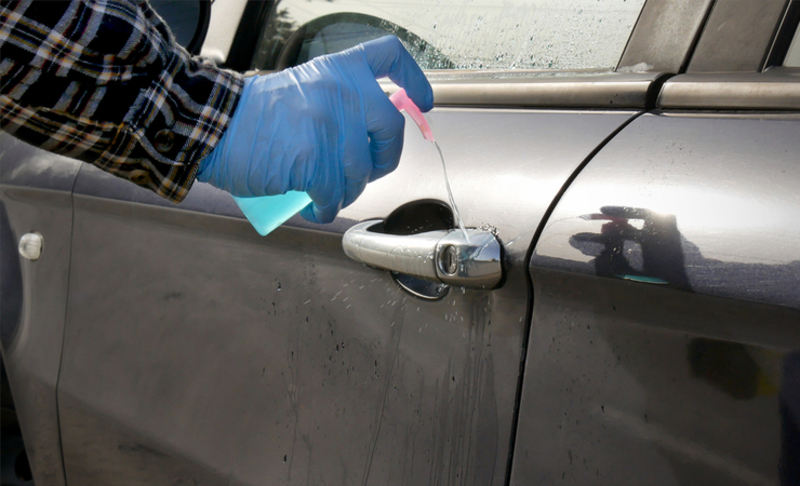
(104, 82)
(324, 127)
(135, 104)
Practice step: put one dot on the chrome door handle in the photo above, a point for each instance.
(444, 256)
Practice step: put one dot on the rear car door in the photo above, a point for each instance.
(196, 350)
(664, 337)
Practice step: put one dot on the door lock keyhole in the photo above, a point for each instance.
(448, 261)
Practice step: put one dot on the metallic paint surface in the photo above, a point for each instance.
(196, 349)
(35, 196)
(629, 384)
(664, 333)
(776, 89)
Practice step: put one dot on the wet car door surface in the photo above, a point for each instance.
(196, 349)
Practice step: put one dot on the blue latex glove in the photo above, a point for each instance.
(324, 127)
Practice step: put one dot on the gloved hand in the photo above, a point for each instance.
(324, 127)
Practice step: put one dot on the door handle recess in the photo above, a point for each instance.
(444, 256)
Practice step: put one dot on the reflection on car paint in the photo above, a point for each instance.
(655, 255)
(651, 250)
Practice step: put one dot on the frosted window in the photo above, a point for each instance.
(793, 56)
(457, 34)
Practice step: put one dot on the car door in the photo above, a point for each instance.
(664, 337)
(35, 209)
(198, 352)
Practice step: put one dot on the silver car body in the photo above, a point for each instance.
(644, 331)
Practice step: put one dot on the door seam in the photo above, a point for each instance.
(529, 284)
(64, 330)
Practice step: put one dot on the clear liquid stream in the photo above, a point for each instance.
(450, 194)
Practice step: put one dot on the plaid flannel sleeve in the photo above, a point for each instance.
(103, 81)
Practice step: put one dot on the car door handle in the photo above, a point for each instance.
(444, 256)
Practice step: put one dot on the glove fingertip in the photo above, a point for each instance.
(387, 56)
(423, 96)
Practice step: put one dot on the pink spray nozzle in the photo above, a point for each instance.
(402, 102)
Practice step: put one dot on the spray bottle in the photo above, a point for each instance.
(268, 212)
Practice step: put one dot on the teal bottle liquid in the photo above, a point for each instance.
(268, 212)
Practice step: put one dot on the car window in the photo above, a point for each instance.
(456, 34)
(792, 58)
(186, 20)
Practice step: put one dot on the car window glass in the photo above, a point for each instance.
(456, 34)
(183, 18)
(793, 55)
